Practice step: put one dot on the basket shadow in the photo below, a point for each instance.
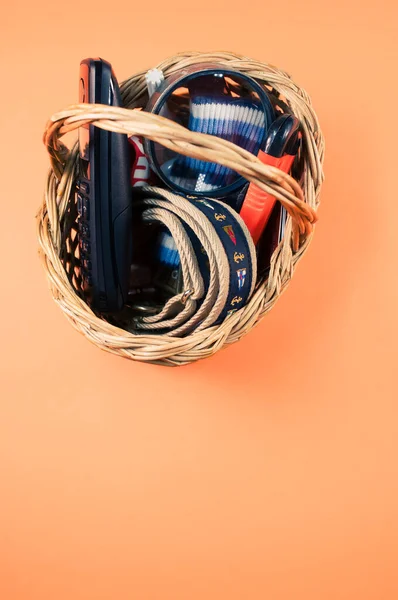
(305, 322)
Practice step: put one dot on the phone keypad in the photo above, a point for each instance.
(83, 209)
(84, 187)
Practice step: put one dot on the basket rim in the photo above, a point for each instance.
(301, 206)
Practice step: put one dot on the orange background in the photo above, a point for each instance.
(270, 470)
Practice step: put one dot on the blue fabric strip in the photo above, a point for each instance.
(234, 119)
(237, 249)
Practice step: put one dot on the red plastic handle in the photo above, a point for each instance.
(258, 205)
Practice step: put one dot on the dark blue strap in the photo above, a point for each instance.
(235, 242)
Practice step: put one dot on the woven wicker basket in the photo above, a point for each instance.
(57, 229)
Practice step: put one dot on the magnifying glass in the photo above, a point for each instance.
(209, 98)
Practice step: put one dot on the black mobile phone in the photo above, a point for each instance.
(103, 197)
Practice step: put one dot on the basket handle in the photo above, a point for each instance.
(179, 139)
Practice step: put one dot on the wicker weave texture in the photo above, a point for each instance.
(56, 219)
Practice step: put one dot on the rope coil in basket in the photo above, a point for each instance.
(56, 218)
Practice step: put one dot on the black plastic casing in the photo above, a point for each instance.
(282, 137)
(104, 197)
